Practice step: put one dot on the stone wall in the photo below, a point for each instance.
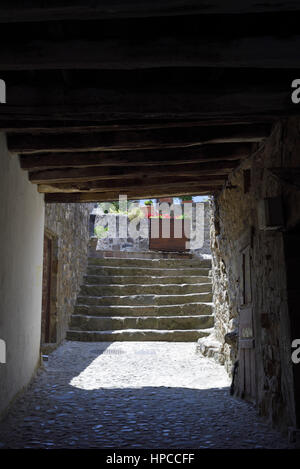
(68, 225)
(199, 245)
(123, 243)
(224, 299)
(236, 213)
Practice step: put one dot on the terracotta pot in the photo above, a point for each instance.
(166, 199)
(147, 210)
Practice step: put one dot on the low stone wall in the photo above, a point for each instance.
(68, 225)
(199, 246)
(122, 243)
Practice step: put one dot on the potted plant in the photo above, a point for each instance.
(148, 207)
(186, 198)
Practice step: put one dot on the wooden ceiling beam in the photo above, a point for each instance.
(205, 153)
(86, 197)
(221, 102)
(133, 140)
(13, 11)
(109, 173)
(165, 182)
(122, 54)
(69, 127)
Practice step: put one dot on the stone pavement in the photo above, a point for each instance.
(133, 395)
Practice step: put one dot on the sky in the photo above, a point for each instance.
(197, 198)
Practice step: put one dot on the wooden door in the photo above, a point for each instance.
(247, 380)
(46, 298)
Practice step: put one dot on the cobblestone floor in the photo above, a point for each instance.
(133, 395)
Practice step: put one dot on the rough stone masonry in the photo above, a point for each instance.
(67, 226)
(235, 212)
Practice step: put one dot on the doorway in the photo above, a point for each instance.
(48, 325)
(247, 366)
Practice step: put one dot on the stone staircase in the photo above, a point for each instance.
(155, 298)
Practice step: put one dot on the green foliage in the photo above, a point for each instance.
(101, 231)
(148, 202)
(186, 197)
(135, 212)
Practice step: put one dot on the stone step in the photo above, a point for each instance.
(150, 300)
(171, 310)
(143, 280)
(153, 263)
(151, 271)
(92, 323)
(177, 335)
(144, 254)
(210, 347)
(165, 298)
(154, 289)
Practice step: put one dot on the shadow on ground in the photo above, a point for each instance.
(57, 412)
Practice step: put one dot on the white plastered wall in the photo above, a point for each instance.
(21, 260)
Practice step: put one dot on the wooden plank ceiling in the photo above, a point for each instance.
(144, 98)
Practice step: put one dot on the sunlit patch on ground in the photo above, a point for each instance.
(138, 364)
